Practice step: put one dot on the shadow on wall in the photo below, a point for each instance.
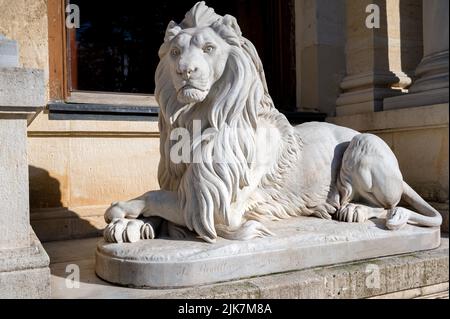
(49, 218)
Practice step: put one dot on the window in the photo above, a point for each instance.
(112, 57)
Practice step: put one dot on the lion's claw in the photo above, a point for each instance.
(123, 230)
(352, 213)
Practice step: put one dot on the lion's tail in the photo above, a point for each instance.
(249, 230)
(428, 216)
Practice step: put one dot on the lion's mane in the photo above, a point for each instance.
(207, 189)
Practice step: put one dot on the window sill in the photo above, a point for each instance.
(126, 99)
(86, 111)
(73, 111)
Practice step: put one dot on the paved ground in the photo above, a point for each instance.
(418, 275)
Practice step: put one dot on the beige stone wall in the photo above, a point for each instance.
(26, 22)
(95, 162)
(77, 168)
(423, 157)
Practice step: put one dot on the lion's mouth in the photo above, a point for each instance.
(191, 94)
(191, 87)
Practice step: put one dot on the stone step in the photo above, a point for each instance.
(411, 272)
(439, 291)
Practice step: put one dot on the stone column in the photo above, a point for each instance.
(24, 271)
(373, 58)
(320, 41)
(431, 84)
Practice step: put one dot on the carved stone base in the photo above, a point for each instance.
(300, 243)
(25, 272)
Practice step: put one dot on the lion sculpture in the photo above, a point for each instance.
(212, 78)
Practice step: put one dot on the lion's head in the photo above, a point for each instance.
(211, 73)
(196, 61)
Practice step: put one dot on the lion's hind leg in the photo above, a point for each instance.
(370, 175)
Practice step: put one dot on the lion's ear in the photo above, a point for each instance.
(172, 31)
(232, 23)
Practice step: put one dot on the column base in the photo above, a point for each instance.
(432, 73)
(363, 101)
(433, 97)
(25, 272)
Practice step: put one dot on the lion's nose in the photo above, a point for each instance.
(188, 72)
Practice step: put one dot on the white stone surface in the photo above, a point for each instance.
(251, 165)
(300, 243)
(246, 165)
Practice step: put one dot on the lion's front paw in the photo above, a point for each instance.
(352, 213)
(114, 212)
(123, 230)
(397, 218)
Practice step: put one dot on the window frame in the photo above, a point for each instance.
(60, 67)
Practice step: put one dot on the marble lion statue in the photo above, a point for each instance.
(210, 78)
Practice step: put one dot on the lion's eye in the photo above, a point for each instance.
(175, 52)
(208, 48)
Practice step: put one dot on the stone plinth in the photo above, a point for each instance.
(24, 271)
(22, 94)
(300, 243)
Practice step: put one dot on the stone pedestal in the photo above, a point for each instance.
(24, 271)
(376, 66)
(431, 84)
(300, 243)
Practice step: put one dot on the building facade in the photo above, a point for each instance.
(378, 66)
